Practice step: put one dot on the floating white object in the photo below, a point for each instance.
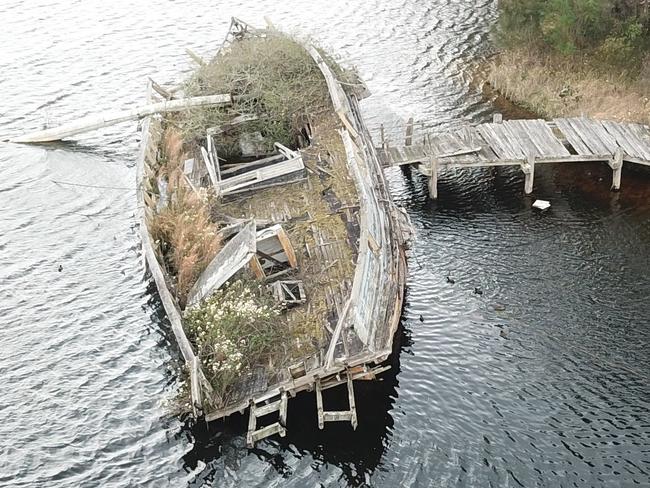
(541, 204)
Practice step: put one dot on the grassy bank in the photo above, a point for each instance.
(570, 58)
(556, 85)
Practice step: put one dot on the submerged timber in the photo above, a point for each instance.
(307, 234)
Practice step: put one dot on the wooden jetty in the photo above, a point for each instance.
(524, 143)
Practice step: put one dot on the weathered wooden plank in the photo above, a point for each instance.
(195, 386)
(595, 136)
(536, 135)
(492, 140)
(510, 150)
(642, 132)
(259, 175)
(598, 128)
(617, 169)
(267, 409)
(542, 134)
(260, 162)
(626, 140)
(234, 255)
(590, 139)
(468, 161)
(208, 165)
(521, 136)
(398, 156)
(529, 171)
(337, 416)
(433, 179)
(643, 162)
(268, 431)
(497, 140)
(352, 402)
(573, 137)
(514, 146)
(518, 144)
(642, 135)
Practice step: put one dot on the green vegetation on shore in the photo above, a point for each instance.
(575, 57)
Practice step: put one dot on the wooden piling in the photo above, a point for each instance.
(408, 140)
(319, 403)
(497, 118)
(433, 180)
(529, 172)
(353, 406)
(617, 169)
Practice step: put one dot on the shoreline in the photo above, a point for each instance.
(526, 84)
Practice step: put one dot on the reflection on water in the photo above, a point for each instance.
(539, 381)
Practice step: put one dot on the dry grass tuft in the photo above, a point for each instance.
(559, 86)
(187, 237)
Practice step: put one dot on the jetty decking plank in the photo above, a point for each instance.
(509, 145)
(573, 137)
(521, 134)
(642, 134)
(595, 136)
(630, 144)
(550, 145)
(497, 142)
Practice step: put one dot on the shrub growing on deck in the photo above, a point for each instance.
(234, 329)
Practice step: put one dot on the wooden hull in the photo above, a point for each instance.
(374, 305)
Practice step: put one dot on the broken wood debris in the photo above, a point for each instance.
(235, 254)
(292, 163)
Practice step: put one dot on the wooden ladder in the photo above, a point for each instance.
(260, 410)
(336, 415)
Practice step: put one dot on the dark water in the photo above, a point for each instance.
(551, 391)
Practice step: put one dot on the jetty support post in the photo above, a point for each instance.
(616, 163)
(529, 173)
(497, 118)
(408, 139)
(433, 179)
(319, 404)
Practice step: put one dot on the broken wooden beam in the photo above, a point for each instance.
(93, 122)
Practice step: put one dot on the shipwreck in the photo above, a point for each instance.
(268, 228)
